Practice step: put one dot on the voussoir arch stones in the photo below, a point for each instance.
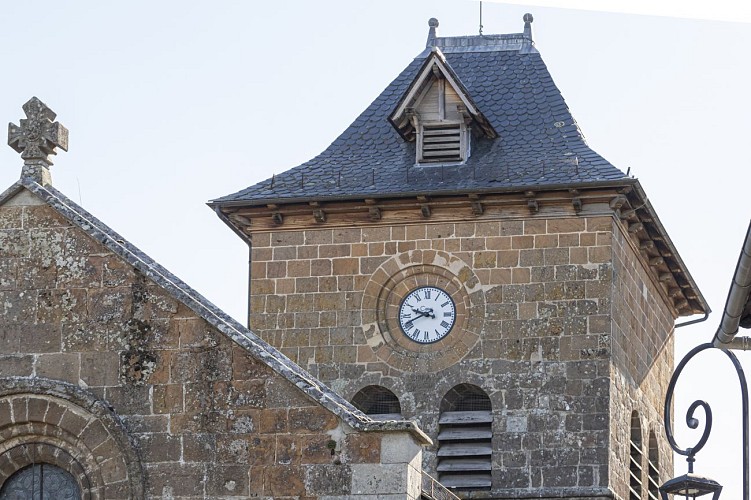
(61, 424)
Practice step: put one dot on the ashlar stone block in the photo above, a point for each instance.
(379, 479)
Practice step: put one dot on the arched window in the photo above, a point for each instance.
(635, 459)
(653, 468)
(464, 439)
(378, 402)
(40, 482)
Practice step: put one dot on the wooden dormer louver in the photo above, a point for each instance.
(442, 142)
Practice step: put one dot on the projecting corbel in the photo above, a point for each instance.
(635, 227)
(477, 208)
(532, 204)
(577, 204)
(318, 214)
(680, 304)
(646, 245)
(424, 207)
(576, 201)
(239, 219)
(656, 261)
(617, 202)
(277, 218)
(373, 211)
(627, 214)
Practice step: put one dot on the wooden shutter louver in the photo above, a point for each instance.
(442, 143)
(653, 469)
(465, 442)
(635, 459)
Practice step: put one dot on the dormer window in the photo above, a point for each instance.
(438, 113)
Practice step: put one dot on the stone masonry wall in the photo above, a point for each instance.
(540, 344)
(642, 362)
(136, 391)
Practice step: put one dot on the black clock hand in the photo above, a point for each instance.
(427, 313)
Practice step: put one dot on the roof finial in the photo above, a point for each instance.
(433, 23)
(36, 138)
(528, 25)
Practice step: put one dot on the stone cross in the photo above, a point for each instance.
(36, 138)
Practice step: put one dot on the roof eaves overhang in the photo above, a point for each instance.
(214, 204)
(223, 217)
(681, 271)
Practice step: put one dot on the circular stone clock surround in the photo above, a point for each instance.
(398, 277)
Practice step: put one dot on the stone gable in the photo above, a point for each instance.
(109, 376)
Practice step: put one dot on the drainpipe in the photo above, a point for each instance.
(693, 321)
(725, 338)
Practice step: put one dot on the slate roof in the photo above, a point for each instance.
(539, 144)
(254, 345)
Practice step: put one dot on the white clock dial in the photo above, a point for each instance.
(427, 314)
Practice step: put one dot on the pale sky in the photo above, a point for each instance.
(170, 104)
(718, 10)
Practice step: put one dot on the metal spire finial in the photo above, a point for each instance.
(528, 25)
(432, 33)
(36, 138)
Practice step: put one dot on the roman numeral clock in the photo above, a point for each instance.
(423, 311)
(427, 314)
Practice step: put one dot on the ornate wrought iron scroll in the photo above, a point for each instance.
(693, 422)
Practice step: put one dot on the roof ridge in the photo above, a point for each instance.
(517, 42)
(521, 42)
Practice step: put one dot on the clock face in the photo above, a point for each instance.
(427, 314)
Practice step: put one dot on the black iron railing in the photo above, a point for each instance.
(433, 490)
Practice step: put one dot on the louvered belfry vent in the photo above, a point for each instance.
(442, 143)
(465, 439)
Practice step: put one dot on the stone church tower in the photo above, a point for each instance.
(460, 257)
